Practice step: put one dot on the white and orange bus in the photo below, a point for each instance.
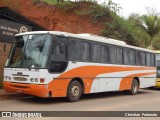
(60, 64)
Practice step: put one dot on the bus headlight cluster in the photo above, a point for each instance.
(7, 77)
(34, 79)
(41, 80)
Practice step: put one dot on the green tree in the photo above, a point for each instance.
(145, 28)
(150, 24)
(156, 42)
(139, 36)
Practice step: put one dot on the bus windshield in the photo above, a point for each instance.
(30, 51)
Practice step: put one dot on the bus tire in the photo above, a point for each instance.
(134, 87)
(74, 91)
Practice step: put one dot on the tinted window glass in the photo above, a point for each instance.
(58, 53)
(113, 55)
(126, 57)
(86, 51)
(158, 63)
(148, 59)
(80, 51)
(119, 56)
(132, 58)
(96, 53)
(76, 50)
(129, 57)
(158, 56)
(152, 60)
(140, 58)
(143, 59)
(104, 54)
(60, 49)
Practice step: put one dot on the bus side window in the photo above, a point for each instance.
(60, 48)
(119, 56)
(148, 59)
(104, 54)
(80, 51)
(132, 58)
(138, 58)
(113, 55)
(59, 51)
(59, 55)
(96, 53)
(126, 57)
(141, 58)
(152, 60)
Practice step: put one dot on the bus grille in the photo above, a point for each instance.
(20, 79)
(19, 86)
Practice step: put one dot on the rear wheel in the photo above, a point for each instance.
(74, 91)
(134, 87)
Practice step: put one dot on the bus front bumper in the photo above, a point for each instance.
(32, 89)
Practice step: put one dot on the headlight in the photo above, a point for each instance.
(36, 79)
(7, 78)
(32, 80)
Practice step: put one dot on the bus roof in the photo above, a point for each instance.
(157, 51)
(90, 37)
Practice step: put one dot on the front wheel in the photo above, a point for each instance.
(134, 87)
(74, 91)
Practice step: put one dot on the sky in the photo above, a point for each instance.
(136, 6)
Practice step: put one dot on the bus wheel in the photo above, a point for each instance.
(134, 87)
(74, 91)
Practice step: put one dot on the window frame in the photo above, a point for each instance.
(51, 51)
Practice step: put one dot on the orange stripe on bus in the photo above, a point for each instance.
(127, 81)
(88, 74)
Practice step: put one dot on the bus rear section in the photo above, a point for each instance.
(58, 64)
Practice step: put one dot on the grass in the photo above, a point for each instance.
(50, 2)
(65, 5)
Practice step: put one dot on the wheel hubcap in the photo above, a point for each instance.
(75, 91)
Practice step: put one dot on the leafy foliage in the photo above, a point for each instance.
(146, 27)
(119, 28)
(50, 2)
(135, 30)
(113, 6)
(156, 42)
(141, 38)
(66, 6)
(151, 24)
(98, 12)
